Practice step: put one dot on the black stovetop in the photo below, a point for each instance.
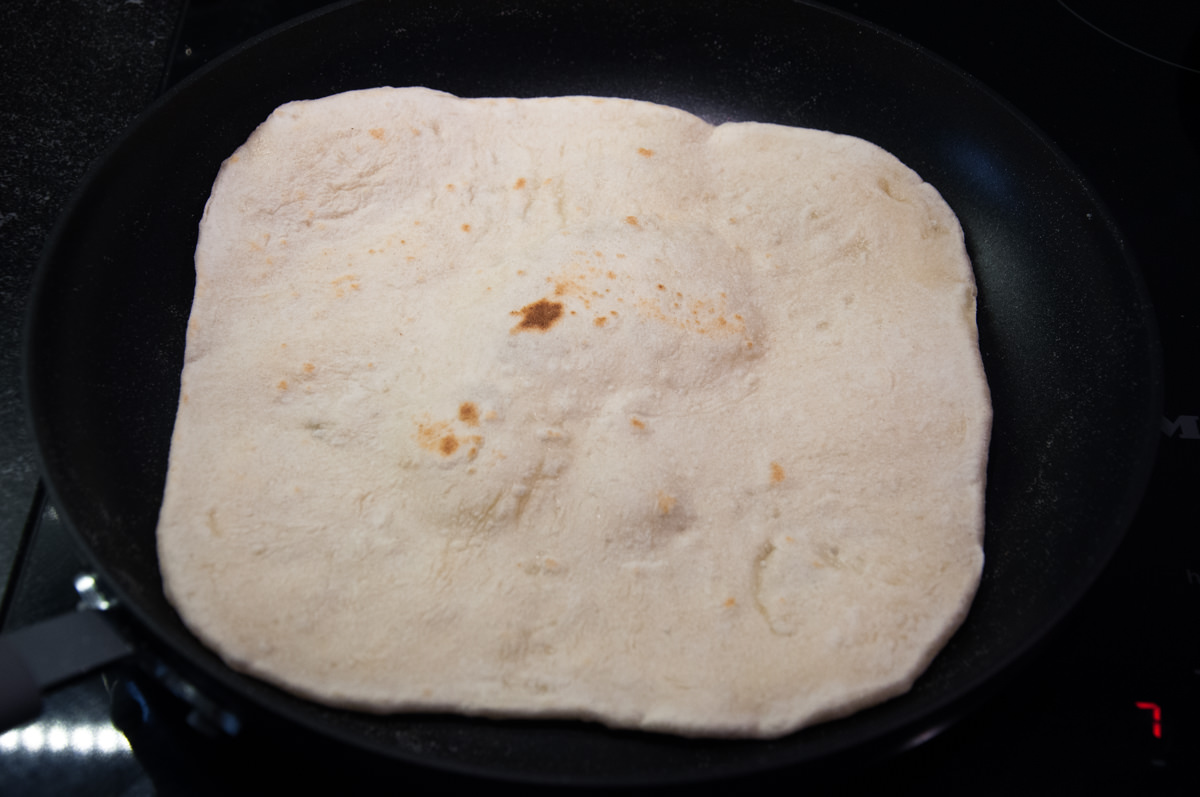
(1112, 702)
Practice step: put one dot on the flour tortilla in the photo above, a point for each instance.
(576, 407)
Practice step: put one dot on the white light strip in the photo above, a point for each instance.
(58, 737)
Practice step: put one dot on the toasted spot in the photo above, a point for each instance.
(777, 474)
(376, 132)
(309, 368)
(600, 321)
(632, 220)
(730, 602)
(282, 384)
(466, 228)
(468, 413)
(437, 438)
(665, 503)
(538, 316)
(520, 183)
(645, 153)
(637, 424)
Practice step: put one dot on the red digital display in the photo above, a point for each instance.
(1155, 716)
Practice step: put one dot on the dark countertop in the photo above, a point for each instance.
(75, 74)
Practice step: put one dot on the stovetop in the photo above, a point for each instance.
(1112, 702)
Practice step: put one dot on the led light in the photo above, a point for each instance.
(108, 740)
(82, 739)
(1155, 715)
(33, 739)
(57, 737)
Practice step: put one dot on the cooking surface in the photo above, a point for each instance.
(1082, 714)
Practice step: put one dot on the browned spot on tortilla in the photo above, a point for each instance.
(777, 474)
(600, 321)
(282, 384)
(468, 413)
(645, 153)
(449, 186)
(520, 183)
(376, 132)
(730, 602)
(309, 368)
(665, 503)
(631, 220)
(466, 228)
(539, 316)
(635, 423)
(437, 438)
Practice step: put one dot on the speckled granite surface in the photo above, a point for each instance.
(73, 74)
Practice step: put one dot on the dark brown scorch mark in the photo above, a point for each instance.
(538, 316)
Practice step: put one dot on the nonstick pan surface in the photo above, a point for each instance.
(1066, 330)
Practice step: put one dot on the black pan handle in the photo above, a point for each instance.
(49, 653)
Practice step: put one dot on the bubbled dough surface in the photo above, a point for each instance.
(576, 407)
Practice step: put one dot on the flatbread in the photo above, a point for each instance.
(576, 407)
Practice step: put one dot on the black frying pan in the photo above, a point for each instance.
(1066, 329)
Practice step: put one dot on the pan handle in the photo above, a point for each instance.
(50, 653)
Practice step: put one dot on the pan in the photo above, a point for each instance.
(1066, 329)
